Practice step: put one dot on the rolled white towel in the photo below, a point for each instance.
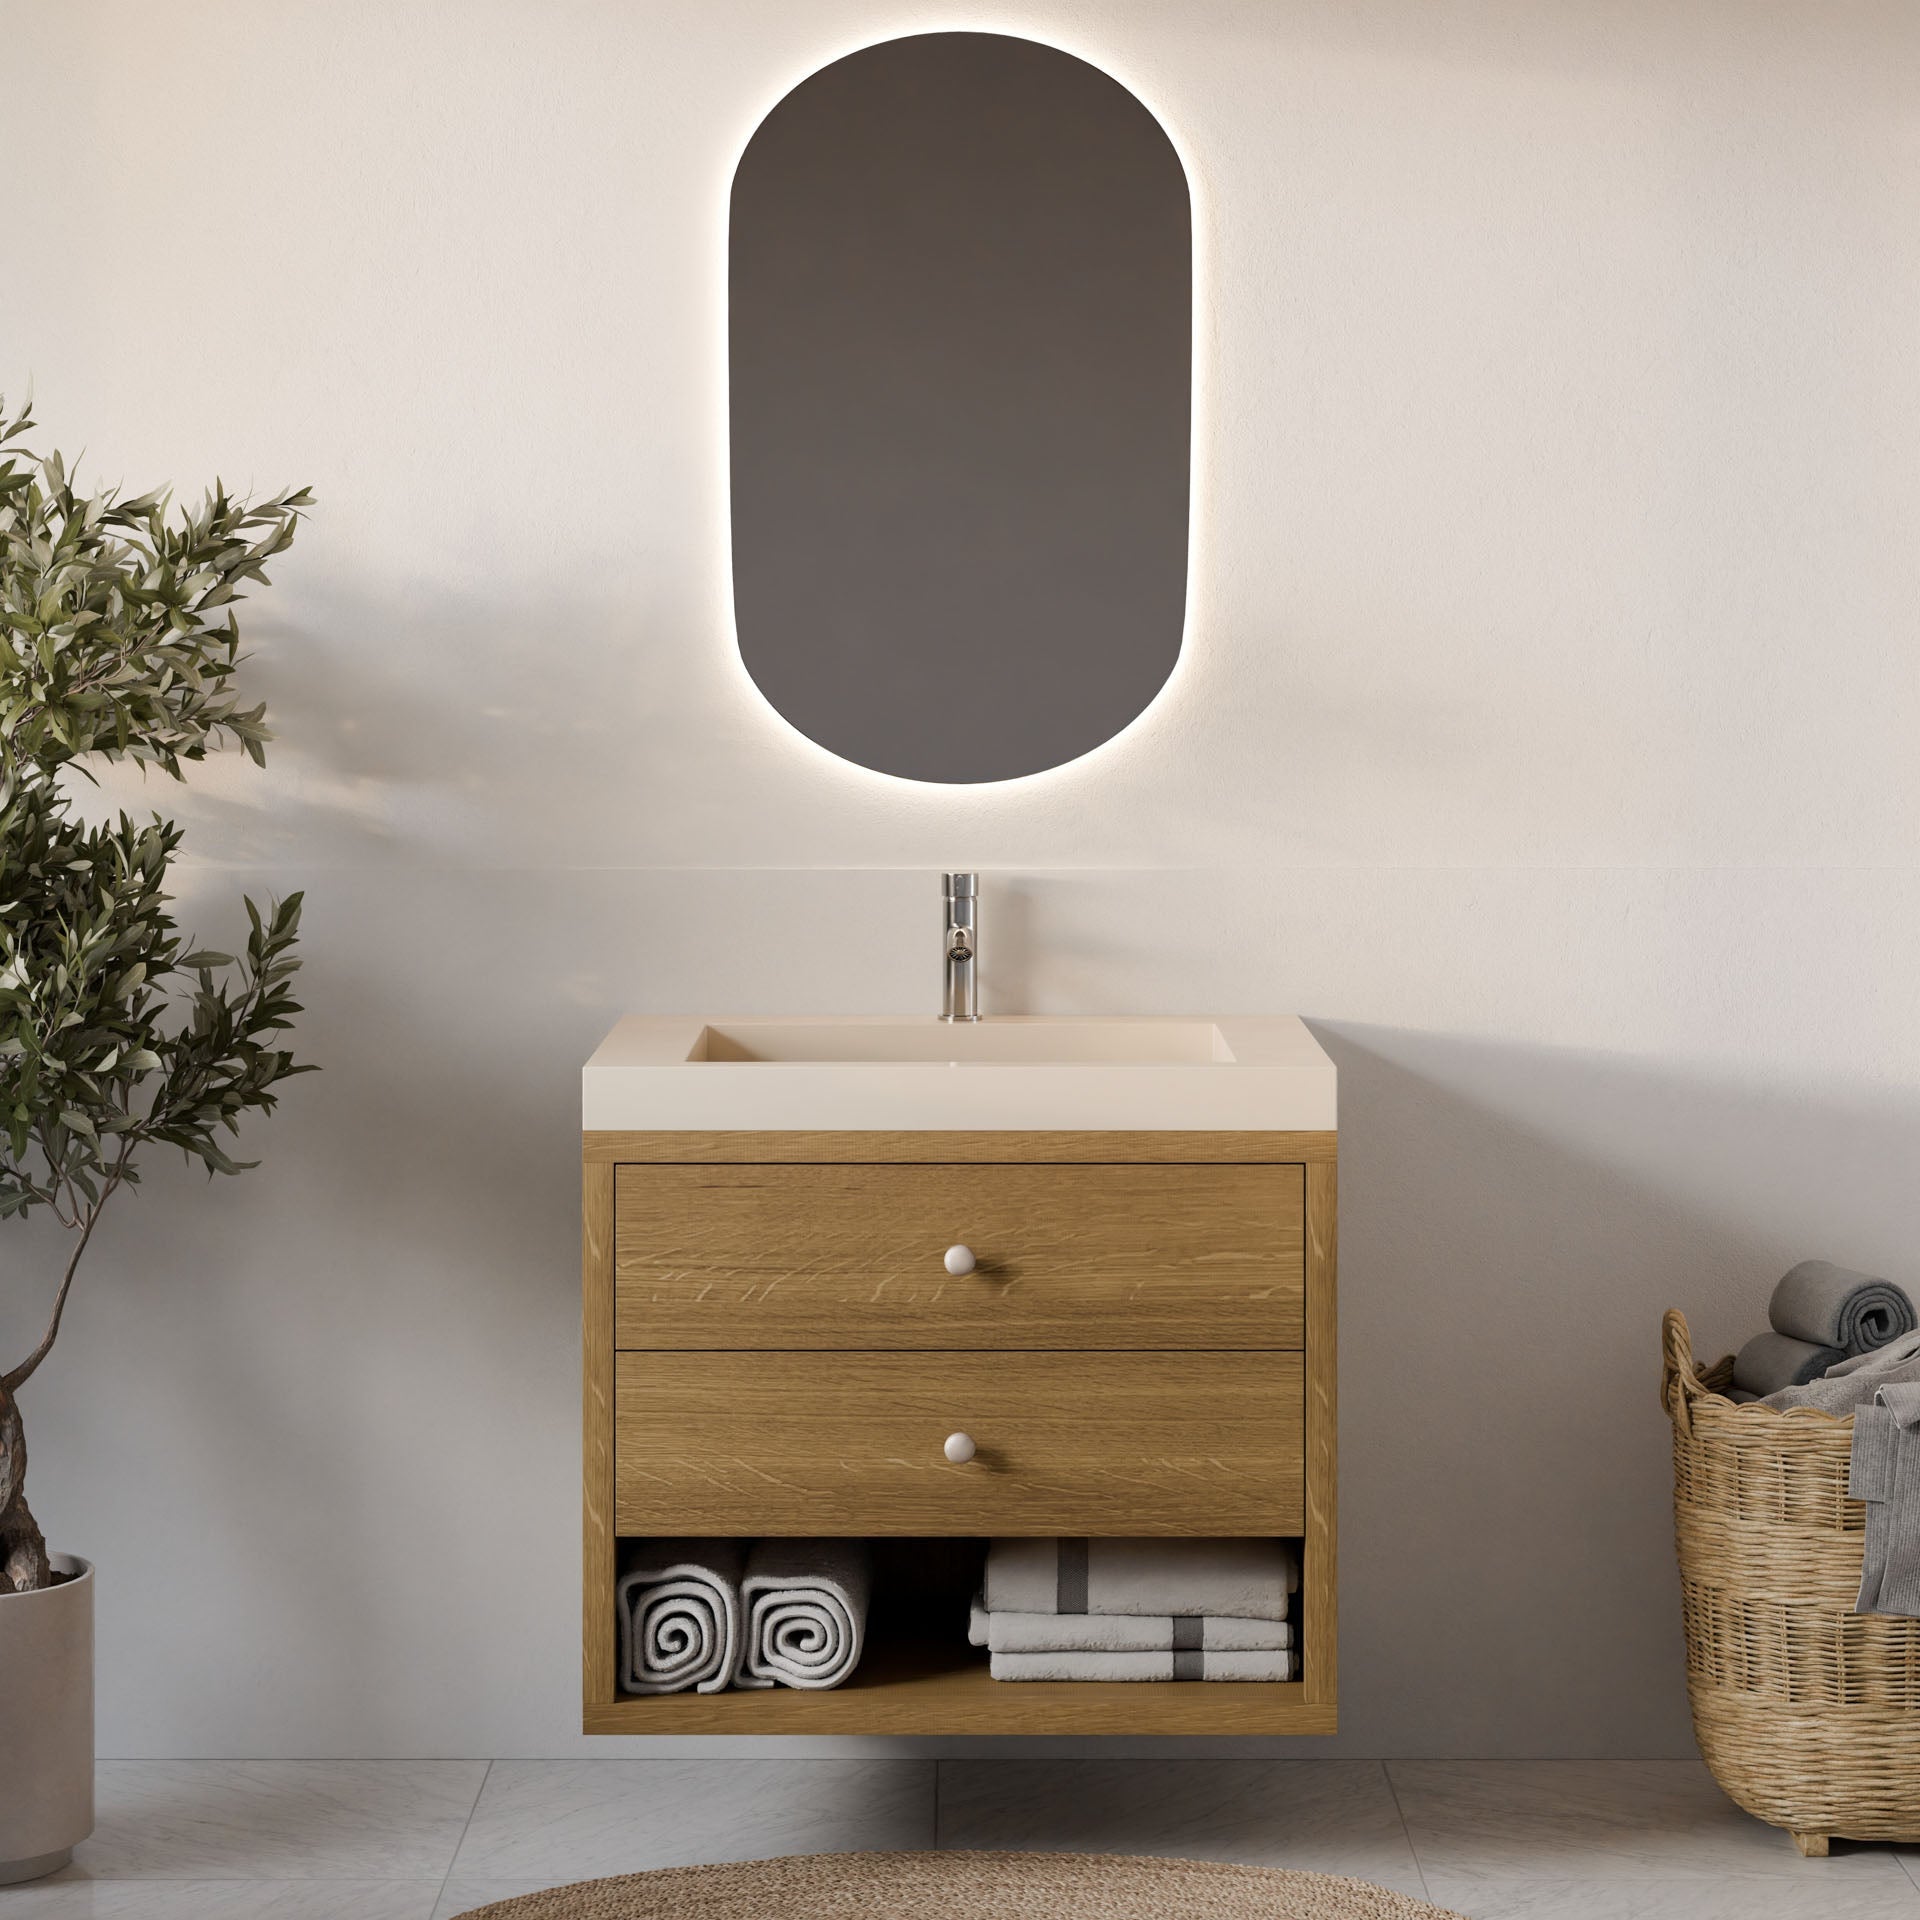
(1243, 1579)
(1123, 1632)
(1063, 1665)
(678, 1605)
(806, 1611)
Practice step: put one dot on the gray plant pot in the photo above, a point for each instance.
(46, 1723)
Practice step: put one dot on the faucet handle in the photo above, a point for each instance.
(959, 886)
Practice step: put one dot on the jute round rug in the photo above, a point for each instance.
(966, 1886)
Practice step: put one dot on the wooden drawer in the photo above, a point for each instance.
(851, 1256)
(1081, 1443)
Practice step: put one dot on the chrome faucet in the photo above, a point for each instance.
(961, 945)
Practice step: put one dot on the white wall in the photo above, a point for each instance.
(1546, 736)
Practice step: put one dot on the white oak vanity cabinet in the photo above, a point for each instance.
(1140, 1339)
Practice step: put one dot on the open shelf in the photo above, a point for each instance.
(936, 1687)
(920, 1675)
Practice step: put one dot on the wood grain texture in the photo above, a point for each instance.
(850, 1256)
(596, 1501)
(850, 1443)
(1019, 1149)
(946, 1689)
(1319, 1552)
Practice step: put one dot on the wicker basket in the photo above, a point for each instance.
(1807, 1713)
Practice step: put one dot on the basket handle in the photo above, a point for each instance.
(1680, 1381)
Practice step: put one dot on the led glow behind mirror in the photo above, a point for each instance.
(960, 357)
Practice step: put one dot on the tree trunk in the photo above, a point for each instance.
(23, 1547)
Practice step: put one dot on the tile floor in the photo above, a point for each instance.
(428, 1839)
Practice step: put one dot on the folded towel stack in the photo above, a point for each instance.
(1137, 1610)
(708, 1614)
(1821, 1315)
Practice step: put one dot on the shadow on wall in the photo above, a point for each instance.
(335, 1404)
(320, 1405)
(1514, 1220)
(426, 724)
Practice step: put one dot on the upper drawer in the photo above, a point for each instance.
(853, 1256)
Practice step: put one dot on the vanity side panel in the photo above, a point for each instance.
(1320, 1574)
(596, 1349)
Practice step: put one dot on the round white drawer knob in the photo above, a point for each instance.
(960, 1260)
(959, 1448)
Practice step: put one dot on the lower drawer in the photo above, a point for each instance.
(1069, 1443)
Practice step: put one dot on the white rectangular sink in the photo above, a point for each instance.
(1008, 1042)
(663, 1073)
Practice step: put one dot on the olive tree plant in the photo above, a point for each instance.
(117, 641)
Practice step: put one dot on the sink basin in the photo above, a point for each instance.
(1254, 1073)
(1002, 1042)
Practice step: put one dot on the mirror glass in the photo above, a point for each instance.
(960, 341)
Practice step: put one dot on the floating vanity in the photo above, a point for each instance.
(930, 1284)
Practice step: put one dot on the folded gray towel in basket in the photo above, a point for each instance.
(1770, 1361)
(1885, 1473)
(1829, 1306)
(1853, 1382)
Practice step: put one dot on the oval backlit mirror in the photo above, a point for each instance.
(960, 343)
